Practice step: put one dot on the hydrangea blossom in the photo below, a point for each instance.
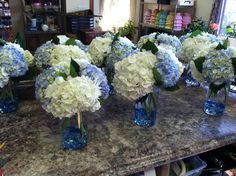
(192, 46)
(133, 75)
(151, 37)
(68, 97)
(99, 49)
(4, 77)
(12, 62)
(42, 55)
(64, 53)
(169, 67)
(121, 49)
(29, 57)
(232, 51)
(218, 67)
(97, 75)
(169, 40)
(47, 77)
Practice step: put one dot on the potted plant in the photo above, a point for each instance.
(128, 30)
(230, 31)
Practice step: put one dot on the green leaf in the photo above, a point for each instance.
(150, 46)
(2, 42)
(157, 77)
(195, 33)
(56, 40)
(171, 89)
(74, 69)
(71, 41)
(63, 75)
(116, 38)
(157, 33)
(234, 64)
(199, 62)
(226, 43)
(216, 88)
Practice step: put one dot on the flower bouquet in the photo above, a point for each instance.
(192, 45)
(13, 63)
(61, 48)
(66, 94)
(163, 40)
(105, 51)
(217, 68)
(139, 77)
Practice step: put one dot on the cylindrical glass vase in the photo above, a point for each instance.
(75, 134)
(145, 110)
(215, 103)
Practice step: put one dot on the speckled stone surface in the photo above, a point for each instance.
(116, 145)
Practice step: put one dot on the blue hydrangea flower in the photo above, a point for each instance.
(121, 49)
(97, 75)
(212, 38)
(13, 60)
(81, 45)
(47, 77)
(167, 67)
(171, 41)
(42, 55)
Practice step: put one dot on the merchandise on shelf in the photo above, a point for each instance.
(178, 24)
(153, 16)
(147, 16)
(169, 20)
(186, 20)
(162, 21)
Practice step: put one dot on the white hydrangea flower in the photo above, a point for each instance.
(62, 39)
(192, 46)
(145, 38)
(133, 75)
(218, 67)
(72, 96)
(29, 57)
(64, 53)
(4, 77)
(195, 73)
(232, 51)
(99, 49)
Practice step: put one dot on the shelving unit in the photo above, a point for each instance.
(145, 28)
(5, 20)
(38, 13)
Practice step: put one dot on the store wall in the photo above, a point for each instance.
(204, 8)
(17, 16)
(75, 5)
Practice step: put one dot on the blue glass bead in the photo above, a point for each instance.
(7, 106)
(144, 119)
(73, 139)
(190, 81)
(214, 108)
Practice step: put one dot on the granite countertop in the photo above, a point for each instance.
(116, 145)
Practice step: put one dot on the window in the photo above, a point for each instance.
(228, 14)
(115, 13)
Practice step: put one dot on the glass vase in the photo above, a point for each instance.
(190, 81)
(145, 110)
(214, 104)
(8, 99)
(75, 134)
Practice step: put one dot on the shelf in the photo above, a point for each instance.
(41, 32)
(161, 29)
(41, 12)
(171, 5)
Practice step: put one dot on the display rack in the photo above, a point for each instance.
(5, 20)
(145, 28)
(42, 21)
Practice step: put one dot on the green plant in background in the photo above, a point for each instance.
(128, 30)
(230, 30)
(199, 24)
